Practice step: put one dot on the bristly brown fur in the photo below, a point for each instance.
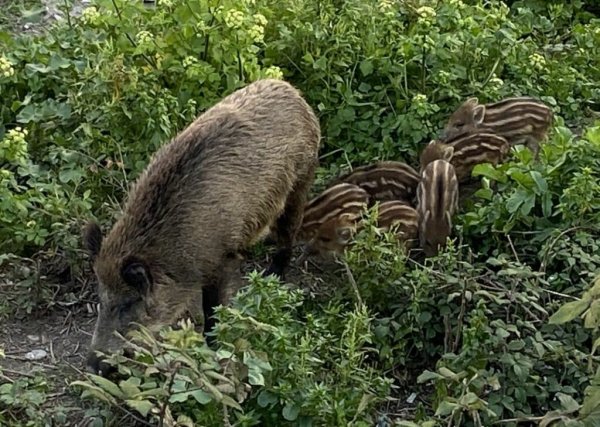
(330, 218)
(521, 120)
(241, 168)
(401, 217)
(437, 202)
(384, 181)
(466, 151)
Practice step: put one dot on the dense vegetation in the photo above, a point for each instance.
(465, 339)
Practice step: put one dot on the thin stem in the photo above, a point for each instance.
(68, 14)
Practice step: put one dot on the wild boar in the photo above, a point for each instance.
(242, 168)
(521, 120)
(437, 202)
(466, 151)
(403, 218)
(384, 181)
(330, 219)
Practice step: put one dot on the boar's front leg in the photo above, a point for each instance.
(221, 290)
(288, 224)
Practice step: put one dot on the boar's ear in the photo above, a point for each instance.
(472, 102)
(136, 274)
(447, 153)
(478, 114)
(92, 238)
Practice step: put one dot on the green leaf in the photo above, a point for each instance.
(201, 396)
(591, 404)
(290, 411)
(487, 170)
(445, 408)
(516, 345)
(596, 345)
(90, 390)
(228, 401)
(107, 385)
(528, 204)
(428, 376)
(569, 311)
(592, 317)
(129, 388)
(266, 398)
(514, 202)
(27, 114)
(447, 373)
(546, 205)
(567, 402)
(57, 62)
(364, 402)
(540, 182)
(255, 377)
(366, 67)
(142, 406)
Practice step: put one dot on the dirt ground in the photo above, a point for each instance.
(64, 333)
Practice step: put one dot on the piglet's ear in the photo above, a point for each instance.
(136, 274)
(92, 239)
(479, 114)
(447, 153)
(473, 101)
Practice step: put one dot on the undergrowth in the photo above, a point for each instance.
(472, 337)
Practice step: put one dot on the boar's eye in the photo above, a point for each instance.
(459, 125)
(325, 239)
(136, 274)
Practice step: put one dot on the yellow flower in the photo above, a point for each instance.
(426, 15)
(419, 98)
(260, 19)
(144, 37)
(274, 72)
(496, 82)
(234, 18)
(537, 61)
(90, 15)
(257, 33)
(6, 68)
(385, 5)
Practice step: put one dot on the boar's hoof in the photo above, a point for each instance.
(96, 365)
(275, 270)
(281, 260)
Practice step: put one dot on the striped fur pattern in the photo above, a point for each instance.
(385, 180)
(437, 201)
(466, 151)
(521, 120)
(403, 218)
(330, 219)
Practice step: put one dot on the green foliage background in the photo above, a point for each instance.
(84, 106)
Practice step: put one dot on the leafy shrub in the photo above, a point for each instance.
(383, 77)
(85, 104)
(276, 359)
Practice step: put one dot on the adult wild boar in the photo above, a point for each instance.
(242, 168)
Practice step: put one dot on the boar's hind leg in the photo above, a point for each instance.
(288, 224)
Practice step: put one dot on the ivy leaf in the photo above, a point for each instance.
(291, 411)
